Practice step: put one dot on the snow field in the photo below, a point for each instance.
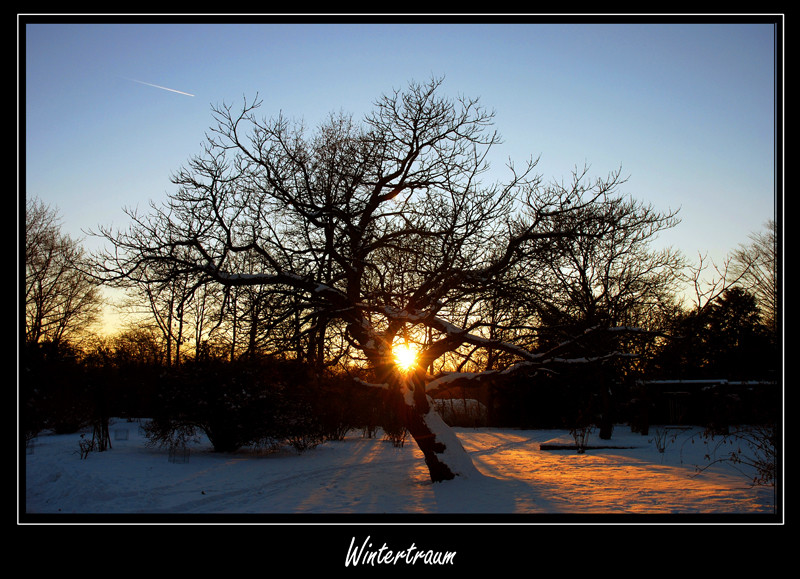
(371, 476)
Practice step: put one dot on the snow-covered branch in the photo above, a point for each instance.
(542, 365)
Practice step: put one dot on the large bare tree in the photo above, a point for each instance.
(611, 272)
(61, 300)
(755, 267)
(383, 229)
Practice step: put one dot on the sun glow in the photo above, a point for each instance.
(405, 356)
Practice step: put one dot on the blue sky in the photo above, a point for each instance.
(687, 110)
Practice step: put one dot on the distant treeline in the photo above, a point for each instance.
(268, 401)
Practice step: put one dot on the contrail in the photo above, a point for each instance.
(161, 87)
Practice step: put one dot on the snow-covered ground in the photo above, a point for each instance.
(371, 476)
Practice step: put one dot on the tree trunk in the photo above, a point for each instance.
(443, 452)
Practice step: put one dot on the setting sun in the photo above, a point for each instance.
(405, 356)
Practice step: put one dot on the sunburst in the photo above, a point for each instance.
(405, 356)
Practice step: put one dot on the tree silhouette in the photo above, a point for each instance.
(380, 233)
(755, 266)
(725, 339)
(61, 300)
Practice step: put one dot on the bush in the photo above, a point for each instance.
(392, 418)
(466, 412)
(53, 389)
(267, 404)
(750, 449)
(237, 404)
(164, 432)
